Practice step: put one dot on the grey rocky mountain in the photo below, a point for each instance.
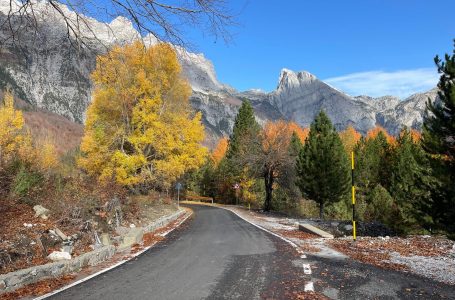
(47, 71)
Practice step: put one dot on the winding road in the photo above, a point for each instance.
(217, 255)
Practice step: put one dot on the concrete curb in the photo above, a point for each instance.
(14, 280)
(314, 230)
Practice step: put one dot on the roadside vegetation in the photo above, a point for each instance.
(405, 182)
(140, 137)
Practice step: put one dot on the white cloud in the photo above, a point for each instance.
(379, 83)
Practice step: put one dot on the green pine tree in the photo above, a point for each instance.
(372, 164)
(411, 183)
(323, 166)
(245, 129)
(439, 142)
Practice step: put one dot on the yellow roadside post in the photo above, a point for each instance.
(354, 233)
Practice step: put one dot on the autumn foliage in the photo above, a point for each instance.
(349, 137)
(140, 127)
(372, 133)
(16, 141)
(302, 133)
(220, 150)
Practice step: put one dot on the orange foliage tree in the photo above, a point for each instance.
(273, 158)
(220, 150)
(373, 133)
(302, 133)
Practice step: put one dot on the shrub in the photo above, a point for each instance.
(25, 181)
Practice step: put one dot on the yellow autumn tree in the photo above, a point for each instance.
(220, 150)
(15, 141)
(349, 138)
(140, 127)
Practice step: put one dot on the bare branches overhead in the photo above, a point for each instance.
(165, 20)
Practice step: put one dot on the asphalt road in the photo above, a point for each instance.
(217, 255)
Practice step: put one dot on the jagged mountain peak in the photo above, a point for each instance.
(289, 79)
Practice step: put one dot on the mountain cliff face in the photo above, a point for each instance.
(45, 70)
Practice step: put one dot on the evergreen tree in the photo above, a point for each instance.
(296, 145)
(411, 182)
(245, 129)
(372, 163)
(243, 140)
(439, 142)
(323, 166)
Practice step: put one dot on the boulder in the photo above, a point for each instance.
(41, 212)
(59, 255)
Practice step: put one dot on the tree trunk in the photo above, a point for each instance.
(268, 180)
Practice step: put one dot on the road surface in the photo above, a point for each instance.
(217, 255)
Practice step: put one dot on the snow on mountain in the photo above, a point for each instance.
(49, 73)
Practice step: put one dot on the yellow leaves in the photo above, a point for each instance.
(12, 134)
(220, 150)
(349, 138)
(16, 142)
(140, 127)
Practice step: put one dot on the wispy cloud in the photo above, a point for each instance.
(379, 83)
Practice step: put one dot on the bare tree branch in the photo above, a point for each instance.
(166, 20)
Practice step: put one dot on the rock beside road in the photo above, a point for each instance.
(41, 211)
(59, 255)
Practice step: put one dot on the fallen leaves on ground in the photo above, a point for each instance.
(38, 288)
(377, 251)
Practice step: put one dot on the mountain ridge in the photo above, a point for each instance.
(52, 75)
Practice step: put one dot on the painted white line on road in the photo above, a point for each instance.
(262, 228)
(309, 287)
(306, 269)
(109, 268)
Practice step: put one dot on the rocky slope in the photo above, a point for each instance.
(45, 69)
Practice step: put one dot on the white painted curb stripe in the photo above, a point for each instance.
(109, 268)
(309, 287)
(306, 269)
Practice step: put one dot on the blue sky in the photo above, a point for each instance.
(372, 47)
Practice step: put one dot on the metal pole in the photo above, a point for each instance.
(354, 233)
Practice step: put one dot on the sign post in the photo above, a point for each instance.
(236, 188)
(354, 233)
(178, 187)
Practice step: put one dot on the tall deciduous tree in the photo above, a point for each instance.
(350, 137)
(140, 127)
(220, 150)
(322, 165)
(439, 140)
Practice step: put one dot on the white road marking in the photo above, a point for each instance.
(309, 287)
(109, 268)
(306, 269)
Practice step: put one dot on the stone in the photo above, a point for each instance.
(61, 234)
(105, 239)
(59, 255)
(134, 236)
(2, 285)
(41, 212)
(67, 249)
(347, 227)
